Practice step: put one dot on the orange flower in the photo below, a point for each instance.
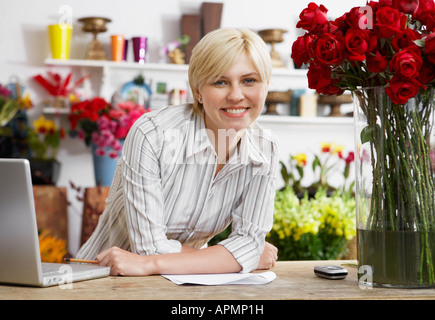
(52, 249)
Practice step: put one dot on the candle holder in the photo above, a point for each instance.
(273, 36)
(95, 25)
(275, 97)
(335, 102)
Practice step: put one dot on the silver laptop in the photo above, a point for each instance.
(20, 259)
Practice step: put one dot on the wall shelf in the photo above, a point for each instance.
(112, 71)
(282, 79)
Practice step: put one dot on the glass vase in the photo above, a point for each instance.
(395, 197)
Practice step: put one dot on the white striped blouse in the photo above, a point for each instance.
(165, 193)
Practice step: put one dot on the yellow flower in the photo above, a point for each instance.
(73, 98)
(337, 149)
(301, 159)
(26, 102)
(43, 125)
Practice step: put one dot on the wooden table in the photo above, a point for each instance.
(295, 280)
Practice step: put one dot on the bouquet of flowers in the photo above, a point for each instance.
(384, 53)
(388, 43)
(98, 122)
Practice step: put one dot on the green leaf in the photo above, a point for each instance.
(366, 134)
(316, 162)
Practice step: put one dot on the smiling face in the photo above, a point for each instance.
(236, 99)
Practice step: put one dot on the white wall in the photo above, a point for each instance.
(24, 46)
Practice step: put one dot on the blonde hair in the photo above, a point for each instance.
(217, 50)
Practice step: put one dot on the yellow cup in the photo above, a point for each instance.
(60, 39)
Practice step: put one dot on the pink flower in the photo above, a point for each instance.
(100, 152)
(113, 154)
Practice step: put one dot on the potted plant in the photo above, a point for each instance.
(44, 141)
(318, 228)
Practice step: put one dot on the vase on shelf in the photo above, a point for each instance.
(395, 189)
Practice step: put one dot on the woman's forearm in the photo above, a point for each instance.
(214, 259)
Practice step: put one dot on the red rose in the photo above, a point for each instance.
(389, 22)
(400, 91)
(428, 19)
(406, 6)
(300, 50)
(377, 62)
(311, 16)
(405, 39)
(332, 89)
(319, 79)
(427, 73)
(423, 7)
(355, 18)
(328, 49)
(357, 43)
(407, 63)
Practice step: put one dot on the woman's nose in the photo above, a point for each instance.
(235, 93)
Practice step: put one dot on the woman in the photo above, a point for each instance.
(187, 171)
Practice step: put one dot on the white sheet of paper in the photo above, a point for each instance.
(222, 278)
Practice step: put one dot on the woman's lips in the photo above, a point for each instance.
(235, 112)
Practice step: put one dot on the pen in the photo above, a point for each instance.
(80, 260)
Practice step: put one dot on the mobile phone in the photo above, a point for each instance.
(330, 272)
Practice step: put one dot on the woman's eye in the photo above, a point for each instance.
(219, 83)
(250, 81)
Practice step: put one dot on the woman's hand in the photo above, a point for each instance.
(268, 257)
(125, 263)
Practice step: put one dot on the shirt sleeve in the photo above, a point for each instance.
(253, 218)
(144, 203)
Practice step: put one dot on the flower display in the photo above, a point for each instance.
(387, 43)
(319, 228)
(98, 122)
(44, 139)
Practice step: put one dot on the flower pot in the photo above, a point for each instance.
(104, 167)
(395, 189)
(44, 172)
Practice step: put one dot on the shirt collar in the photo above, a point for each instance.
(253, 145)
(197, 139)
